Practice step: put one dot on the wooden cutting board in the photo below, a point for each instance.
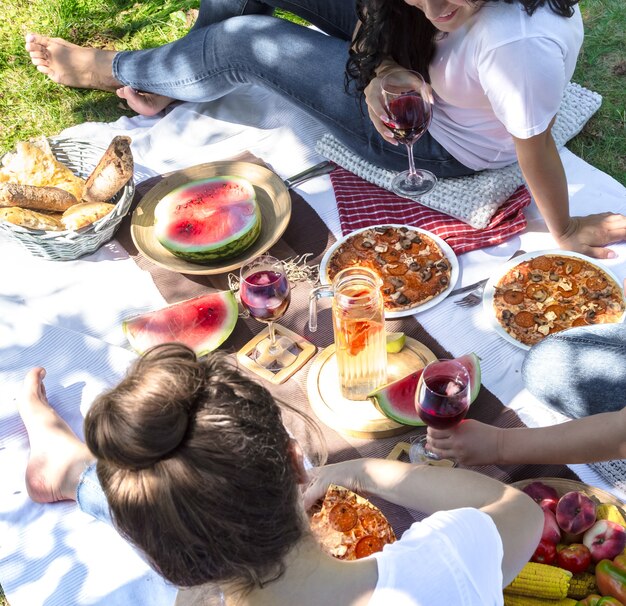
(360, 418)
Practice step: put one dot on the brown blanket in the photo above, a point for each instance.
(307, 233)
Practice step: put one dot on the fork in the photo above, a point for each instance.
(474, 297)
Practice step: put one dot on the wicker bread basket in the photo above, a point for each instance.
(81, 157)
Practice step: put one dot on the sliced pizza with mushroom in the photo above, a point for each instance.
(552, 292)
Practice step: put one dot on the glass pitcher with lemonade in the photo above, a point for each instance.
(359, 329)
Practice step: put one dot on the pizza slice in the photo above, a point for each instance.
(348, 526)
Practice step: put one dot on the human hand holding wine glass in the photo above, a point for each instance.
(441, 399)
(265, 292)
(407, 116)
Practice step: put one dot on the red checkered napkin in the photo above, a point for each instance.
(362, 204)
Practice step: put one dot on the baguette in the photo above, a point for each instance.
(112, 172)
(85, 213)
(30, 219)
(35, 198)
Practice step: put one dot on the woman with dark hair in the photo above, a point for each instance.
(193, 464)
(498, 70)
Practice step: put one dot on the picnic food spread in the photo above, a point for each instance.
(552, 292)
(348, 526)
(412, 265)
(208, 220)
(39, 192)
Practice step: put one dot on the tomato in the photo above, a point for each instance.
(575, 558)
(545, 553)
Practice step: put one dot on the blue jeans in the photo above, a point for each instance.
(90, 496)
(581, 371)
(237, 42)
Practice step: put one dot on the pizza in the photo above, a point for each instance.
(348, 526)
(412, 265)
(552, 292)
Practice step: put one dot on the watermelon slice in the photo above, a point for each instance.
(202, 323)
(396, 400)
(208, 220)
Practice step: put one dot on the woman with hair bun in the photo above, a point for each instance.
(192, 463)
(498, 70)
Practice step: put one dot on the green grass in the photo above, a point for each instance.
(602, 68)
(31, 105)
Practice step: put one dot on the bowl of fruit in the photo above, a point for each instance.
(581, 557)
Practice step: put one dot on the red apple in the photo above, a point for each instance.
(538, 491)
(605, 540)
(575, 558)
(575, 512)
(545, 553)
(551, 531)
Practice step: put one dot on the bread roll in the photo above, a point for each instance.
(112, 172)
(86, 213)
(36, 198)
(30, 218)
(33, 163)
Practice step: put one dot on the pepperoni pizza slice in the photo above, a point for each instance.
(348, 526)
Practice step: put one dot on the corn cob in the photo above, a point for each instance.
(540, 581)
(606, 511)
(581, 585)
(521, 600)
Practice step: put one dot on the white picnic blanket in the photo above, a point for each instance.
(67, 316)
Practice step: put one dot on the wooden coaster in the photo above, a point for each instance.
(304, 351)
(401, 452)
(360, 418)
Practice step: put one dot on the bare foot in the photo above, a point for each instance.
(146, 104)
(57, 456)
(72, 65)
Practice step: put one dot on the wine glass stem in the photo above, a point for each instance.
(413, 175)
(270, 327)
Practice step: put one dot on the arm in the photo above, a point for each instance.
(543, 171)
(429, 489)
(599, 437)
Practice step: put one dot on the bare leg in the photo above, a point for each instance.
(57, 456)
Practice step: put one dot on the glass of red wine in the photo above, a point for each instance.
(264, 291)
(407, 116)
(441, 400)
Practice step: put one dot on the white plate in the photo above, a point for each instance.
(447, 251)
(493, 280)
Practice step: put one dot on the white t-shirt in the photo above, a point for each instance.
(451, 557)
(503, 73)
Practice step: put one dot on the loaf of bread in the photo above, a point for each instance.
(36, 198)
(112, 172)
(30, 219)
(85, 213)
